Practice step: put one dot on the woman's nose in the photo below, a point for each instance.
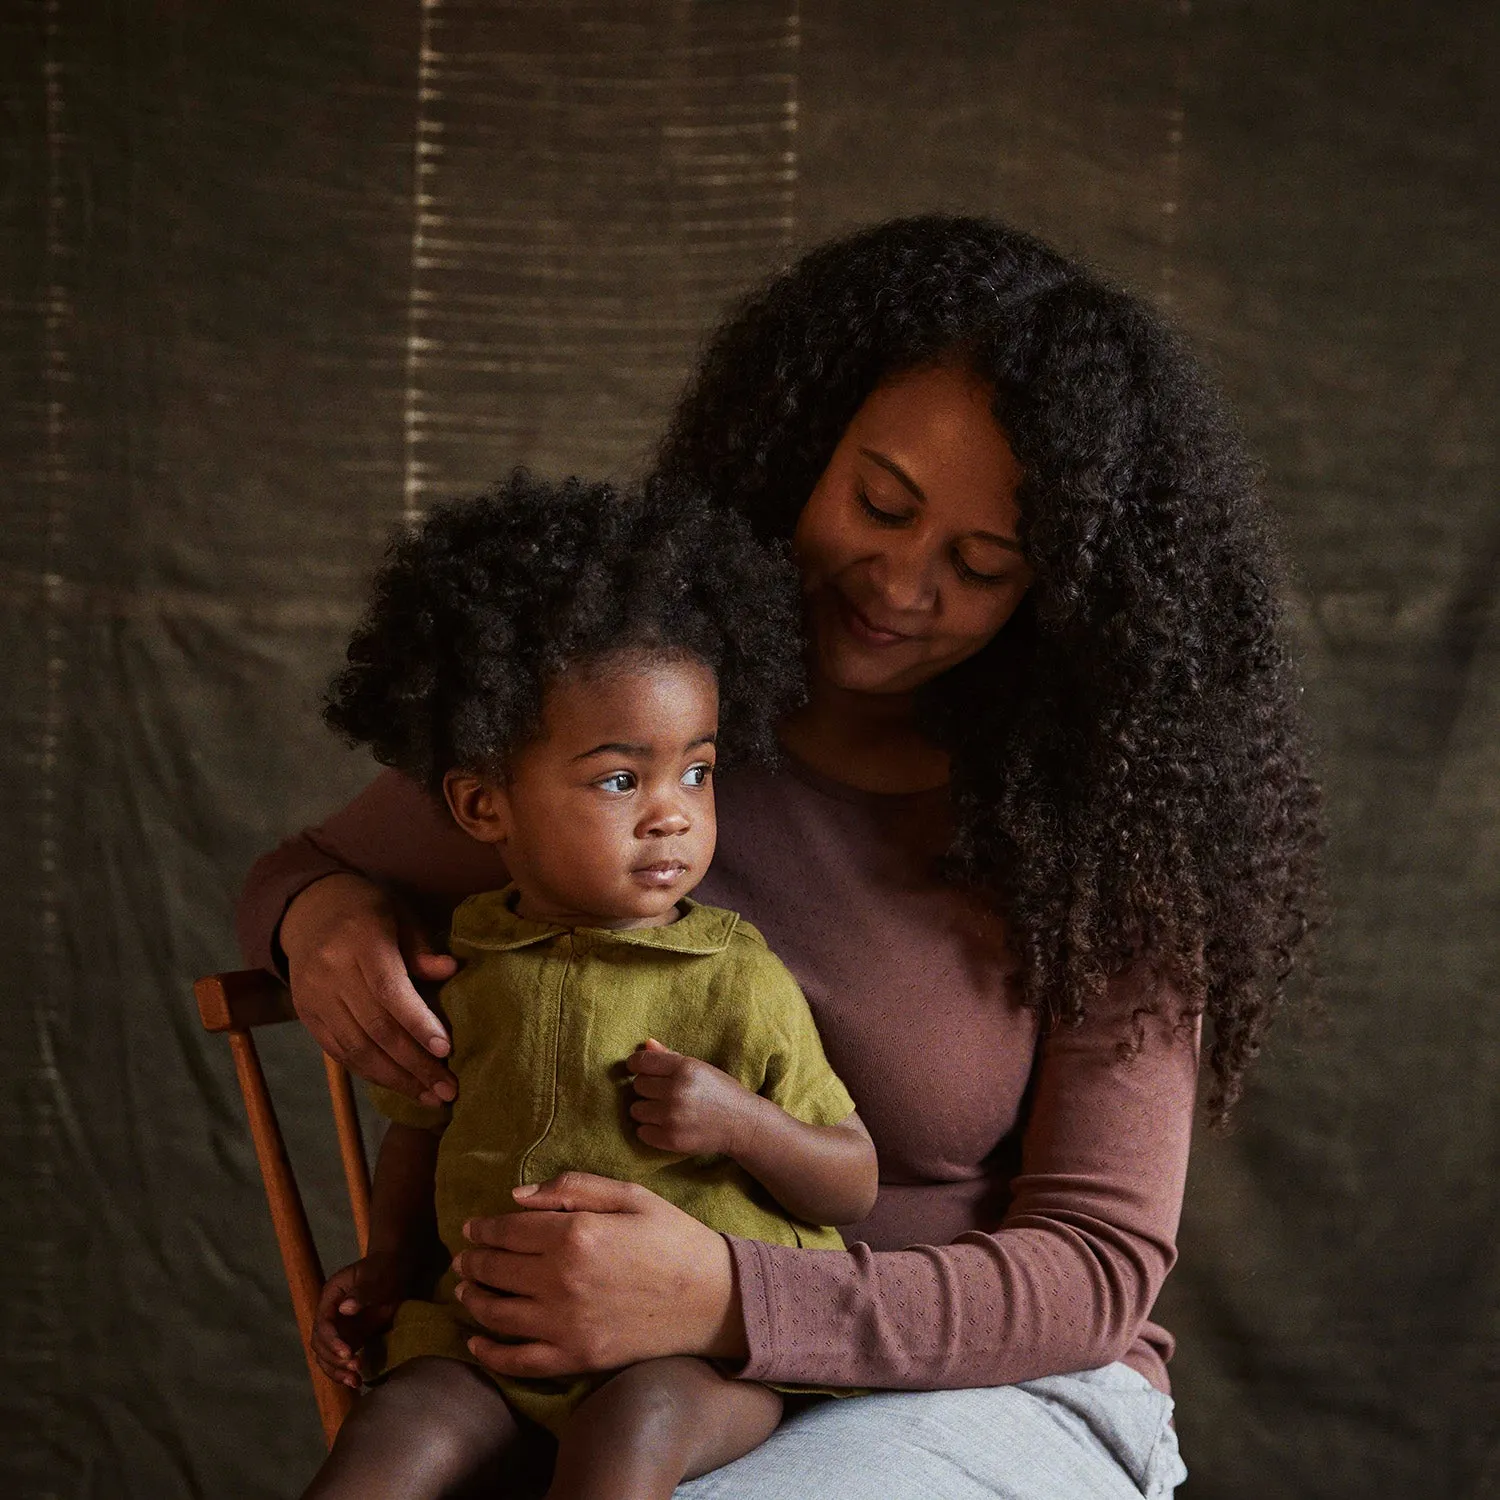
(903, 573)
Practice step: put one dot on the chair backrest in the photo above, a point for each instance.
(235, 1004)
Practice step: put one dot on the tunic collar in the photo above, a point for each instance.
(489, 922)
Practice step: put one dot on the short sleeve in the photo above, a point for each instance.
(798, 1075)
(400, 1110)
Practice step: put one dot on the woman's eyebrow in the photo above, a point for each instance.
(1000, 541)
(892, 467)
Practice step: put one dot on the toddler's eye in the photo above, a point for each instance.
(620, 781)
(697, 775)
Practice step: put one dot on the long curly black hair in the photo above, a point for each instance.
(476, 611)
(1127, 758)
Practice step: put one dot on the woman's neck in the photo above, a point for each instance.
(868, 741)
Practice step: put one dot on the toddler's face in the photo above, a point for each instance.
(607, 817)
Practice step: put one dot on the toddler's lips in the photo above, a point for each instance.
(663, 873)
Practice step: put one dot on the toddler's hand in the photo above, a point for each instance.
(358, 1303)
(687, 1105)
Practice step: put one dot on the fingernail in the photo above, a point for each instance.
(454, 1263)
(439, 1045)
(461, 1290)
(445, 1091)
(430, 1098)
(526, 1190)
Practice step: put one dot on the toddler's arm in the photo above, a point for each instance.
(821, 1174)
(360, 1300)
(403, 1218)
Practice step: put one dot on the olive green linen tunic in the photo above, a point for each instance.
(542, 1020)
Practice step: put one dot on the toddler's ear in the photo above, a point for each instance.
(479, 804)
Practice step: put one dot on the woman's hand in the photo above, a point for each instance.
(596, 1274)
(351, 958)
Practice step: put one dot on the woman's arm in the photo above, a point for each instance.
(1063, 1284)
(392, 833)
(331, 911)
(1066, 1281)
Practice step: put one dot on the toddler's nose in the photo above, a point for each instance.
(665, 821)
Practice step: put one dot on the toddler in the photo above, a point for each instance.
(555, 664)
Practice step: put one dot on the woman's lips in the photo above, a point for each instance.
(863, 629)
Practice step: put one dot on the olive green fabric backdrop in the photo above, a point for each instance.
(277, 274)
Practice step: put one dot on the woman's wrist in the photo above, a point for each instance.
(724, 1312)
(312, 910)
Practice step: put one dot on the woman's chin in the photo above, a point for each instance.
(851, 670)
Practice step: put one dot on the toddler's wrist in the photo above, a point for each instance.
(746, 1126)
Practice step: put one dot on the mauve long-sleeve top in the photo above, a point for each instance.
(1030, 1182)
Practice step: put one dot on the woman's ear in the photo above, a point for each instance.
(480, 806)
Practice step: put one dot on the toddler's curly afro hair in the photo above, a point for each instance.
(480, 607)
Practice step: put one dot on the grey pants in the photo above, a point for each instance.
(1100, 1435)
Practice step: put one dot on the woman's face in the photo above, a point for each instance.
(908, 549)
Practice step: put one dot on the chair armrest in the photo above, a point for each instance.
(242, 999)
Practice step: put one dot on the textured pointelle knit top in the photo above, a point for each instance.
(1031, 1184)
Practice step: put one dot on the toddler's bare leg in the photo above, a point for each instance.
(435, 1428)
(655, 1424)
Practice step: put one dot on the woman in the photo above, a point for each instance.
(1044, 810)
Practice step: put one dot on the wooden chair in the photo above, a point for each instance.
(236, 1004)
